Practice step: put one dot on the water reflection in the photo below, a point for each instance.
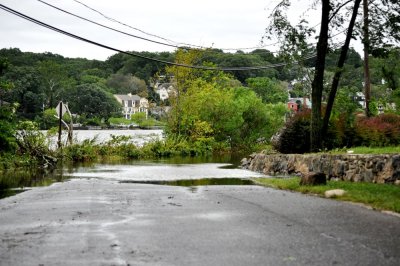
(187, 171)
(148, 171)
(193, 183)
(13, 182)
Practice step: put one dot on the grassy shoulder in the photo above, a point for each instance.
(378, 196)
(368, 150)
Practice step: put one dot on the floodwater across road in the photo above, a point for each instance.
(103, 221)
(186, 212)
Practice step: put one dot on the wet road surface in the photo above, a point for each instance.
(94, 221)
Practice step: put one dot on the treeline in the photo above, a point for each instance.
(42, 79)
(34, 83)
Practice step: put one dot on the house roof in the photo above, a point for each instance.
(294, 100)
(125, 97)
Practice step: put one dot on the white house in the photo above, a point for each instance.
(164, 90)
(360, 98)
(132, 104)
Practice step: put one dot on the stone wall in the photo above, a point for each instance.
(351, 167)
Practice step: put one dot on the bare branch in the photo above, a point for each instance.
(338, 9)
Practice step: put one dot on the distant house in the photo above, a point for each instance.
(164, 90)
(132, 104)
(297, 104)
(360, 98)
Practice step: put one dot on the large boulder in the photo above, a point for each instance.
(313, 179)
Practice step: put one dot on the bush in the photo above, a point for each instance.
(378, 131)
(32, 143)
(83, 152)
(295, 135)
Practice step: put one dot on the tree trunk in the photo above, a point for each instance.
(340, 64)
(318, 82)
(367, 80)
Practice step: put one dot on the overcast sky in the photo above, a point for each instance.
(210, 23)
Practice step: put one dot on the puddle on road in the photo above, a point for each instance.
(196, 182)
(188, 173)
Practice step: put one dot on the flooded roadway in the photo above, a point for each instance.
(124, 214)
(97, 221)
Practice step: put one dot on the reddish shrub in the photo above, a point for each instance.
(382, 130)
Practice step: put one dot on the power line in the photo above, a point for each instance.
(104, 26)
(146, 39)
(168, 40)
(40, 23)
(134, 28)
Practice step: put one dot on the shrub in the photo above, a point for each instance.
(82, 152)
(295, 135)
(341, 132)
(382, 130)
(32, 143)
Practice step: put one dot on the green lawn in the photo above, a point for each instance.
(378, 196)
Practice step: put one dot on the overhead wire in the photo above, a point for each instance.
(181, 44)
(246, 68)
(107, 27)
(165, 39)
(139, 37)
(119, 22)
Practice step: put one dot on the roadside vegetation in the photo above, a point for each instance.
(378, 196)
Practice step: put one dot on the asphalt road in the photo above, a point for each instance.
(100, 222)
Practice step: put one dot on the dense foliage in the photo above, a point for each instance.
(210, 110)
(211, 107)
(379, 131)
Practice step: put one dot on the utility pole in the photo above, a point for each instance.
(367, 79)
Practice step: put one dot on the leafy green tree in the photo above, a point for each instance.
(385, 78)
(7, 129)
(124, 84)
(53, 78)
(7, 116)
(208, 104)
(26, 91)
(270, 91)
(48, 119)
(91, 101)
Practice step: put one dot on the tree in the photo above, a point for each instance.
(378, 35)
(26, 90)
(338, 73)
(331, 17)
(367, 80)
(182, 79)
(124, 84)
(7, 113)
(53, 78)
(91, 101)
(270, 91)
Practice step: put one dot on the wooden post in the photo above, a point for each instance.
(59, 125)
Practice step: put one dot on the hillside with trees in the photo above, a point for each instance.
(234, 107)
